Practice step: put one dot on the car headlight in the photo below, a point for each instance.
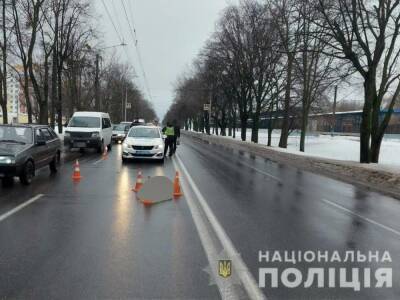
(7, 160)
(95, 134)
(67, 134)
(125, 145)
(156, 147)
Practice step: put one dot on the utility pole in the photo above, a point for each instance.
(97, 84)
(334, 111)
(126, 101)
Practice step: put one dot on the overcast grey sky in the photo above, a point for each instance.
(170, 34)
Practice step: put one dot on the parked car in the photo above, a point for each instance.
(89, 130)
(119, 132)
(26, 148)
(143, 142)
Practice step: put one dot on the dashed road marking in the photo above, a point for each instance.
(254, 169)
(19, 207)
(362, 217)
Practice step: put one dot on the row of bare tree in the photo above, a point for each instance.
(282, 58)
(45, 43)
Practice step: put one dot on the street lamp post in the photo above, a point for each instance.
(98, 102)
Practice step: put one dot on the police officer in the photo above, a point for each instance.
(169, 141)
(177, 134)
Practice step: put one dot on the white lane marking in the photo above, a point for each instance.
(19, 207)
(246, 277)
(362, 217)
(97, 161)
(259, 171)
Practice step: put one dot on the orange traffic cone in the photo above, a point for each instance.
(105, 153)
(77, 172)
(139, 182)
(177, 187)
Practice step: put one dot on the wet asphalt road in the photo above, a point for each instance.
(95, 240)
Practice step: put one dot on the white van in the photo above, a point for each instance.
(89, 130)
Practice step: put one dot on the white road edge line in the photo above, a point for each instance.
(362, 217)
(19, 207)
(205, 238)
(248, 281)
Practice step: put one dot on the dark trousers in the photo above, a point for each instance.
(174, 143)
(169, 144)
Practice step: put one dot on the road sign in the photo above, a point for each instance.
(128, 105)
(207, 107)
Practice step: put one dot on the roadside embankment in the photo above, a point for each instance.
(367, 176)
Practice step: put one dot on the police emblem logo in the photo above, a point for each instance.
(225, 268)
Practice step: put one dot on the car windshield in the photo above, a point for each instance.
(142, 132)
(15, 134)
(89, 122)
(120, 127)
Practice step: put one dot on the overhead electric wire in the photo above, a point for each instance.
(121, 31)
(112, 22)
(135, 42)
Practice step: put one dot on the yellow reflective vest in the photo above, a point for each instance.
(169, 131)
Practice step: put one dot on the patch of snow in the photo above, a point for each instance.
(337, 147)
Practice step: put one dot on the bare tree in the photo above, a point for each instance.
(26, 16)
(286, 18)
(365, 33)
(3, 67)
(316, 71)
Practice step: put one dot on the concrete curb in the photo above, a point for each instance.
(375, 180)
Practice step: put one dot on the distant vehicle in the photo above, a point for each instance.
(26, 148)
(138, 122)
(89, 130)
(126, 123)
(143, 142)
(119, 132)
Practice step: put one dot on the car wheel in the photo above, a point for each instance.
(7, 181)
(54, 163)
(100, 149)
(27, 173)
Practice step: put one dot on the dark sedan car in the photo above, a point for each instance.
(25, 149)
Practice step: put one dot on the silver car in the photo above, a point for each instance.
(143, 142)
(119, 132)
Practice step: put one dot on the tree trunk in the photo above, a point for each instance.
(286, 112)
(304, 124)
(256, 123)
(375, 148)
(53, 88)
(27, 96)
(365, 128)
(243, 126)
(3, 105)
(59, 100)
(4, 94)
(234, 124)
